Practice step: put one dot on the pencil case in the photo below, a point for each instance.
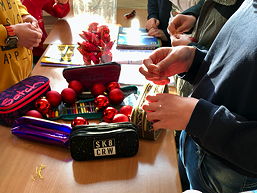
(86, 108)
(90, 74)
(42, 130)
(20, 98)
(138, 115)
(113, 140)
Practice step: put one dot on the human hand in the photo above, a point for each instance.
(28, 35)
(181, 23)
(30, 19)
(62, 1)
(167, 61)
(152, 23)
(180, 39)
(169, 111)
(157, 33)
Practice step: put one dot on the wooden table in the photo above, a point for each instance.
(152, 170)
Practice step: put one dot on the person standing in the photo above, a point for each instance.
(219, 120)
(19, 33)
(56, 8)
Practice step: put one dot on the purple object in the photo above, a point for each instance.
(42, 130)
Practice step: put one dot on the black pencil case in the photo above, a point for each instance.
(90, 142)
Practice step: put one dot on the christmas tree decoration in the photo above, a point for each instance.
(42, 105)
(76, 85)
(79, 121)
(120, 118)
(98, 89)
(109, 113)
(54, 98)
(116, 96)
(112, 85)
(126, 110)
(69, 95)
(34, 113)
(101, 102)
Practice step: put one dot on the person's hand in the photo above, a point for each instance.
(157, 33)
(152, 23)
(62, 1)
(181, 23)
(28, 35)
(167, 61)
(32, 20)
(169, 111)
(180, 39)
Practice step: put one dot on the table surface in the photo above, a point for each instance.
(152, 170)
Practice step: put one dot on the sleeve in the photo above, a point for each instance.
(22, 8)
(152, 9)
(3, 35)
(197, 69)
(226, 134)
(57, 9)
(194, 10)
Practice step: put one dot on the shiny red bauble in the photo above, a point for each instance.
(42, 105)
(112, 85)
(120, 118)
(34, 113)
(69, 95)
(109, 113)
(98, 89)
(101, 102)
(79, 121)
(76, 85)
(126, 110)
(54, 98)
(116, 96)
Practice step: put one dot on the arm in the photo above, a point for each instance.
(59, 10)
(152, 9)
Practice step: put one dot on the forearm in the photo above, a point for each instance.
(152, 9)
(58, 10)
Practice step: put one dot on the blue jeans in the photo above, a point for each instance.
(208, 174)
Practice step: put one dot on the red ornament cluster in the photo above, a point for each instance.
(105, 97)
(97, 44)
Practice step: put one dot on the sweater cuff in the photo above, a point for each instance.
(201, 118)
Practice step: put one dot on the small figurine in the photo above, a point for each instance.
(130, 15)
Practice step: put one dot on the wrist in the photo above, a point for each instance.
(11, 39)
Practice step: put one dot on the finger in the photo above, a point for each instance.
(151, 67)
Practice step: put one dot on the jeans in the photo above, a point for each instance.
(208, 174)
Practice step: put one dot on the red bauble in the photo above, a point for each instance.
(116, 96)
(120, 118)
(101, 101)
(34, 113)
(98, 89)
(79, 121)
(42, 105)
(92, 27)
(126, 110)
(109, 113)
(69, 95)
(76, 85)
(112, 85)
(54, 98)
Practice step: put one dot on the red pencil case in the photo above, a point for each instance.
(90, 74)
(20, 98)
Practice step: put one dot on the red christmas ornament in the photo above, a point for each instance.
(79, 121)
(54, 98)
(42, 105)
(126, 110)
(101, 101)
(120, 118)
(109, 113)
(98, 89)
(34, 113)
(69, 95)
(76, 85)
(116, 96)
(112, 85)
(103, 30)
